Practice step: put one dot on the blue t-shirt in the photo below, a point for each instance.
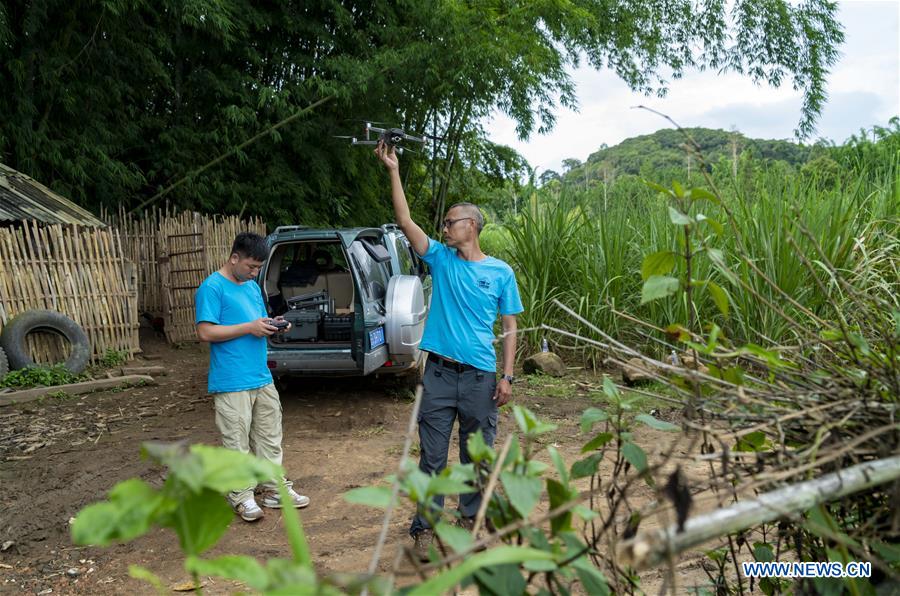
(465, 301)
(237, 364)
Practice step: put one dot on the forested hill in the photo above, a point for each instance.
(664, 149)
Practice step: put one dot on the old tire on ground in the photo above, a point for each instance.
(12, 340)
(4, 364)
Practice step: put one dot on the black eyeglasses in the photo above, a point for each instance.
(449, 222)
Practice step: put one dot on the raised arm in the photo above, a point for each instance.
(418, 239)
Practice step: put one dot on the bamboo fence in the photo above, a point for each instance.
(79, 271)
(174, 253)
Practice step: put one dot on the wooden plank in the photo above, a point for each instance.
(26, 395)
(159, 371)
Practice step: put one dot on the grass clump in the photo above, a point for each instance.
(40, 376)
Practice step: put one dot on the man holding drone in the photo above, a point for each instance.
(470, 289)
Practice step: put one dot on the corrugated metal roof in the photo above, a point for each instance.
(24, 198)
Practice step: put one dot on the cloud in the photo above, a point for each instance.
(864, 89)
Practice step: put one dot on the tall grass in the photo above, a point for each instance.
(574, 246)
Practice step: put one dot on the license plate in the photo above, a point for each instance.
(376, 337)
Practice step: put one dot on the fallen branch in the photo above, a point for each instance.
(650, 548)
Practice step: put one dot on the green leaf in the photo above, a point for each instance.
(373, 496)
(559, 464)
(235, 567)
(523, 492)
(294, 579)
(597, 442)
(701, 194)
(717, 257)
(587, 466)
(133, 507)
(719, 296)
(635, 455)
(535, 468)
(144, 574)
(659, 188)
(443, 485)
(455, 537)
(591, 416)
(415, 483)
(678, 189)
(734, 374)
(501, 579)
(445, 580)
(658, 286)
(591, 578)
(889, 552)
(771, 357)
(658, 263)
(293, 528)
(478, 449)
(540, 566)
(224, 470)
(763, 552)
(560, 495)
(718, 228)
(184, 465)
(678, 218)
(755, 441)
(200, 520)
(584, 512)
(656, 423)
(677, 331)
(609, 388)
(529, 424)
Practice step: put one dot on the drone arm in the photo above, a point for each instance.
(418, 239)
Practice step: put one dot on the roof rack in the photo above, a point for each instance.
(280, 229)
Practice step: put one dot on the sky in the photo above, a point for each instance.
(863, 90)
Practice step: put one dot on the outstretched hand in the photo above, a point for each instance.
(387, 155)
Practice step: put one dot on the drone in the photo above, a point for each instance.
(392, 137)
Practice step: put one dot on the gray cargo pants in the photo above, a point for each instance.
(450, 391)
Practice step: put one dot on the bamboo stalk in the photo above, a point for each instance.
(652, 547)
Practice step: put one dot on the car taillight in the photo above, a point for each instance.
(388, 363)
(271, 364)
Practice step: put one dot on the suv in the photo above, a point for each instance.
(355, 299)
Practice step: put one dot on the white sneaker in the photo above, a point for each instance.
(271, 499)
(249, 510)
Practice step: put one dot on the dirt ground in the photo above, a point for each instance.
(59, 455)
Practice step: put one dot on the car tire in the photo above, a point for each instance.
(4, 364)
(12, 340)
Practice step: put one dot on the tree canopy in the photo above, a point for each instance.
(112, 101)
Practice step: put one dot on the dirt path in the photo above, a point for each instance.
(61, 455)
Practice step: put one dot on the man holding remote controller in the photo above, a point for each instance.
(231, 316)
(469, 290)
